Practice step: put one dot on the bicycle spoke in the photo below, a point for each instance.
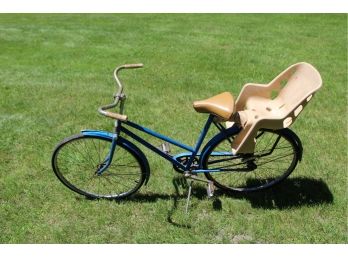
(82, 155)
(80, 159)
(272, 160)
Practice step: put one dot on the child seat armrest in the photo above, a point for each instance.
(251, 89)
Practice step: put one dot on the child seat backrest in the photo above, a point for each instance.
(297, 84)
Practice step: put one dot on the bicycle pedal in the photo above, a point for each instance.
(210, 189)
(165, 147)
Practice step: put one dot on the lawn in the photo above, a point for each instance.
(56, 70)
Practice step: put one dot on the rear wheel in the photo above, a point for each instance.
(77, 159)
(275, 157)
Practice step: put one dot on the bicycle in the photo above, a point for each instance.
(100, 164)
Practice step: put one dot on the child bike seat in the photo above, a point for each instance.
(221, 105)
(275, 105)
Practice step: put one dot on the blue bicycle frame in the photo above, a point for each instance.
(192, 153)
(173, 160)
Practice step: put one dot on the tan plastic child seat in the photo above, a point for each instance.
(275, 105)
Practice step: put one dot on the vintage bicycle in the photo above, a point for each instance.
(253, 150)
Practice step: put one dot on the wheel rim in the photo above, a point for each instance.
(253, 172)
(77, 161)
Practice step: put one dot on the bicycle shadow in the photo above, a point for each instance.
(181, 188)
(291, 193)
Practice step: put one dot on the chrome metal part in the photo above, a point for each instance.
(118, 96)
(188, 196)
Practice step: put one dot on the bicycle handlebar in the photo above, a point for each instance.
(118, 95)
(133, 66)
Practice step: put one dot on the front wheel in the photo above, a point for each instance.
(275, 157)
(77, 159)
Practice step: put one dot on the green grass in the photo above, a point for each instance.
(55, 70)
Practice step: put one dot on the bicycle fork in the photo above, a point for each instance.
(108, 159)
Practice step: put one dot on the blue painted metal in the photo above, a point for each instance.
(173, 160)
(129, 145)
(234, 130)
(200, 140)
(204, 171)
(198, 154)
(222, 153)
(188, 154)
(108, 159)
(193, 152)
(151, 147)
(158, 135)
(99, 133)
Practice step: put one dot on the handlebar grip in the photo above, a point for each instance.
(116, 116)
(133, 66)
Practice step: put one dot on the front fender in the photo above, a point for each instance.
(98, 133)
(127, 144)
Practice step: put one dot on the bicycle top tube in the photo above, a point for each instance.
(158, 135)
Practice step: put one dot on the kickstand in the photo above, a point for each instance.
(210, 188)
(188, 196)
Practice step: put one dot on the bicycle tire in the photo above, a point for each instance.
(75, 165)
(243, 172)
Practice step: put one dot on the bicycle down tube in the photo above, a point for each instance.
(194, 150)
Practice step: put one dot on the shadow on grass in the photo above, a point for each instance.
(291, 193)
